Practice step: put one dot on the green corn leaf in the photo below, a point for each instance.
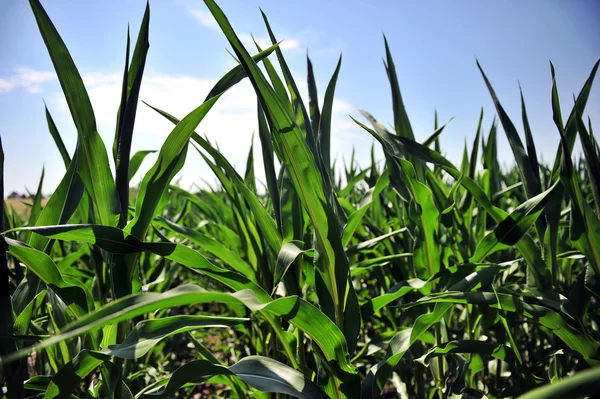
(434, 137)
(509, 334)
(276, 81)
(404, 339)
(466, 207)
(369, 244)
(264, 374)
(490, 158)
(367, 265)
(464, 165)
(60, 206)
(269, 164)
(303, 122)
(575, 339)
(132, 81)
(57, 138)
(237, 74)
(205, 354)
(124, 84)
(584, 224)
(36, 207)
(583, 383)
(526, 246)
(73, 373)
(38, 383)
(592, 159)
(531, 151)
(136, 162)
(10, 372)
(357, 216)
(24, 318)
(475, 149)
(93, 167)
(169, 162)
(304, 170)
(287, 255)
(297, 311)
(540, 224)
(301, 115)
(146, 334)
(265, 221)
(324, 135)
(74, 294)
(426, 216)
(397, 291)
(501, 352)
(397, 347)
(401, 122)
(213, 246)
(313, 98)
(115, 240)
(249, 177)
(530, 179)
(512, 229)
(352, 183)
(391, 154)
(570, 129)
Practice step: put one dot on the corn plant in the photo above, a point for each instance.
(410, 277)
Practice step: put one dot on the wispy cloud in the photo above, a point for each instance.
(204, 17)
(288, 44)
(230, 123)
(29, 79)
(5, 85)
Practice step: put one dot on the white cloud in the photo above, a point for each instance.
(29, 79)
(34, 89)
(204, 17)
(6, 85)
(264, 42)
(229, 124)
(92, 79)
(341, 106)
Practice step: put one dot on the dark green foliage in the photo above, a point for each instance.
(418, 277)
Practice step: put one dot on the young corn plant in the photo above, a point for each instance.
(410, 277)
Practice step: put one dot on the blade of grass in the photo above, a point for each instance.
(531, 181)
(57, 138)
(93, 167)
(13, 373)
(264, 374)
(169, 162)
(324, 132)
(132, 81)
(304, 172)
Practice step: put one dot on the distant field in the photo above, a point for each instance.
(21, 205)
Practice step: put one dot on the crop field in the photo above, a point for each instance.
(22, 207)
(410, 278)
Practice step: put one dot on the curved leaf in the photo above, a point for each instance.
(262, 373)
(148, 333)
(93, 166)
(584, 383)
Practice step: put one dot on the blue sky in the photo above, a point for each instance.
(434, 44)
